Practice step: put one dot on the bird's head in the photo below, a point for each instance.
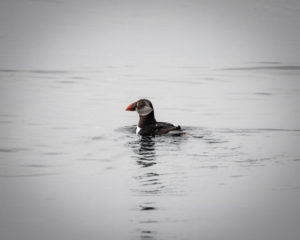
(143, 107)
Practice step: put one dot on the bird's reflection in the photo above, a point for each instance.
(146, 152)
(150, 179)
(148, 184)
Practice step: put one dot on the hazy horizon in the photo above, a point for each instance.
(37, 34)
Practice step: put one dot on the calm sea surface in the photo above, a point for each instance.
(71, 166)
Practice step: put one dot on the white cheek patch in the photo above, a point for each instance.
(137, 130)
(144, 111)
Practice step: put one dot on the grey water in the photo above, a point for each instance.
(71, 165)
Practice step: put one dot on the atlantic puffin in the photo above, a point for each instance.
(147, 125)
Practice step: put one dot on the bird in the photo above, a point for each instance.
(147, 125)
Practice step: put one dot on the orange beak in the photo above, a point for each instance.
(131, 107)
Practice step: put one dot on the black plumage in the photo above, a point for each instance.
(147, 122)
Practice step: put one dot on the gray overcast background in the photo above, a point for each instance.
(64, 34)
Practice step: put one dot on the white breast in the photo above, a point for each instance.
(137, 130)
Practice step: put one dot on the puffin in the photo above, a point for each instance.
(148, 126)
